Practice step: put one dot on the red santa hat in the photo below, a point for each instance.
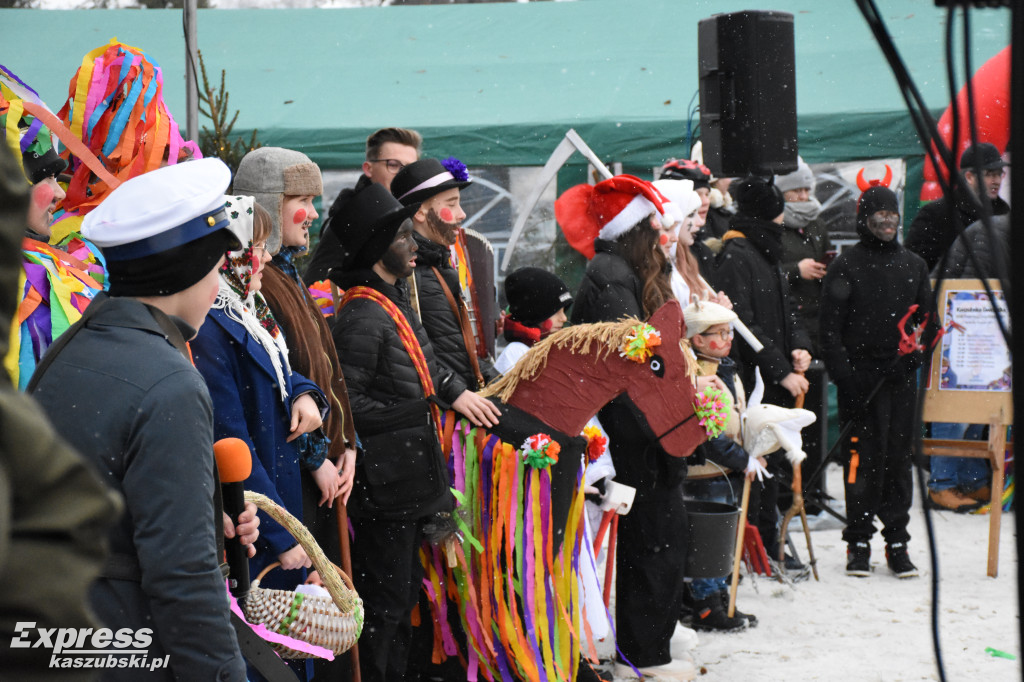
(607, 210)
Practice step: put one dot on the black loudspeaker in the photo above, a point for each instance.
(747, 93)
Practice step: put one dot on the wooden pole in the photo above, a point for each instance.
(346, 565)
(738, 554)
(996, 453)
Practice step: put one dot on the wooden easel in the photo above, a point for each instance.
(975, 407)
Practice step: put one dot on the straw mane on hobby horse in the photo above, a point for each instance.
(519, 488)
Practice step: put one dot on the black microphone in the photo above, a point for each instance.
(234, 463)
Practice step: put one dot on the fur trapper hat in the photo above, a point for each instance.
(269, 174)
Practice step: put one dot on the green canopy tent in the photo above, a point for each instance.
(502, 82)
(499, 84)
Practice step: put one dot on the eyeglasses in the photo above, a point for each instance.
(723, 334)
(259, 249)
(393, 165)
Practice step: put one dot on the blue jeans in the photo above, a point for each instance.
(965, 473)
(702, 588)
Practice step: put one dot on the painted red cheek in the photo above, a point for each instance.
(300, 216)
(447, 215)
(42, 195)
(663, 239)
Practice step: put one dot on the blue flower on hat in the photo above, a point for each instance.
(456, 168)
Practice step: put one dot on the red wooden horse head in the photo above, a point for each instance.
(568, 377)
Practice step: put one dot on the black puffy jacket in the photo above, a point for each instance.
(610, 290)
(377, 367)
(400, 473)
(443, 327)
(976, 238)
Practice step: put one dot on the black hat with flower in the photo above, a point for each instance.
(425, 178)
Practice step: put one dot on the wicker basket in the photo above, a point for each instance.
(333, 623)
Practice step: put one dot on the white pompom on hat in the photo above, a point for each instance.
(607, 210)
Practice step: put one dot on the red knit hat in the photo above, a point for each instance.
(607, 210)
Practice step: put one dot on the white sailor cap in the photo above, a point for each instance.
(160, 210)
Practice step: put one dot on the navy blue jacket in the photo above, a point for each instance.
(247, 404)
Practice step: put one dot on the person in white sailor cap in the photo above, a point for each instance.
(119, 386)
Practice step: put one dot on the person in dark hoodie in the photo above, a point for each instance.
(388, 151)
(868, 288)
(749, 272)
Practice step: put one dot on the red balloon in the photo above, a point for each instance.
(991, 85)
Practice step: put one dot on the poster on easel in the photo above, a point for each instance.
(969, 383)
(969, 380)
(974, 355)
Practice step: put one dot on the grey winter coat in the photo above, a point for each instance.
(127, 398)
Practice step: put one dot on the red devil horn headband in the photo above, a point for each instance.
(864, 185)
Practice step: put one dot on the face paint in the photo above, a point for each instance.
(446, 230)
(720, 346)
(663, 239)
(300, 216)
(42, 196)
(446, 214)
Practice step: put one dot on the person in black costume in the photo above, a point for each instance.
(401, 481)
(868, 289)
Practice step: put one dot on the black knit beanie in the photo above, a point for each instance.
(758, 197)
(534, 295)
(873, 200)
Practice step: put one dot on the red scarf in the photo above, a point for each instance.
(409, 340)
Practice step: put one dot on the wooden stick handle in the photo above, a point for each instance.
(346, 564)
(738, 555)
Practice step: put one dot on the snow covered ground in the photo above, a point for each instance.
(877, 629)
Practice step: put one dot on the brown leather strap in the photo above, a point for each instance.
(462, 315)
(335, 297)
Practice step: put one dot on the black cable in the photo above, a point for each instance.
(934, 146)
(957, 181)
(691, 112)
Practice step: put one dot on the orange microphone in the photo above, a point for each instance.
(234, 463)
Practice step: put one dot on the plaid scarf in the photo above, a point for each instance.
(239, 302)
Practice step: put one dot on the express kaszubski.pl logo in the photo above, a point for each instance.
(91, 648)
